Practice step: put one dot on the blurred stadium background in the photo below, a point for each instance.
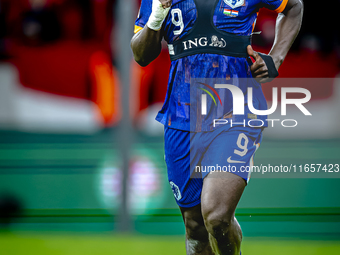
(77, 125)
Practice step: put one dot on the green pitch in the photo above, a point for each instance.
(82, 244)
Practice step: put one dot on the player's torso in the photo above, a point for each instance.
(233, 16)
(182, 106)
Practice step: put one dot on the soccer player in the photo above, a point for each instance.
(209, 45)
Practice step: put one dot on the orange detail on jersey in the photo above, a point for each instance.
(253, 26)
(282, 6)
(137, 29)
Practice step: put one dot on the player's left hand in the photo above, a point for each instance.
(259, 68)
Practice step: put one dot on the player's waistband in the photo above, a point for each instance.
(226, 44)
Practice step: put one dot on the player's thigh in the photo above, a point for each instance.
(231, 152)
(220, 195)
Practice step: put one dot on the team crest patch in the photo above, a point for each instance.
(234, 3)
(176, 191)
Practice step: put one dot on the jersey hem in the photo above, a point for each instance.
(161, 119)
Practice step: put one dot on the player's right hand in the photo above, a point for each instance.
(258, 69)
(160, 9)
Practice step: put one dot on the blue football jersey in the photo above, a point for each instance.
(193, 75)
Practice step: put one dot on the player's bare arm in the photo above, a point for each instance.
(288, 25)
(146, 44)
